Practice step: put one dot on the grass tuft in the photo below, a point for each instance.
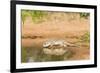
(85, 37)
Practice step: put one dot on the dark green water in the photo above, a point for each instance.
(35, 54)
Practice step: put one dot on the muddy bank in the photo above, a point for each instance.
(58, 26)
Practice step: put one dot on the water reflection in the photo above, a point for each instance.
(51, 50)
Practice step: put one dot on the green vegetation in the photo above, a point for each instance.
(24, 14)
(85, 37)
(23, 55)
(37, 16)
(84, 15)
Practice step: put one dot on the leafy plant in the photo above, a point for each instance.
(85, 37)
(37, 16)
(24, 14)
(84, 15)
